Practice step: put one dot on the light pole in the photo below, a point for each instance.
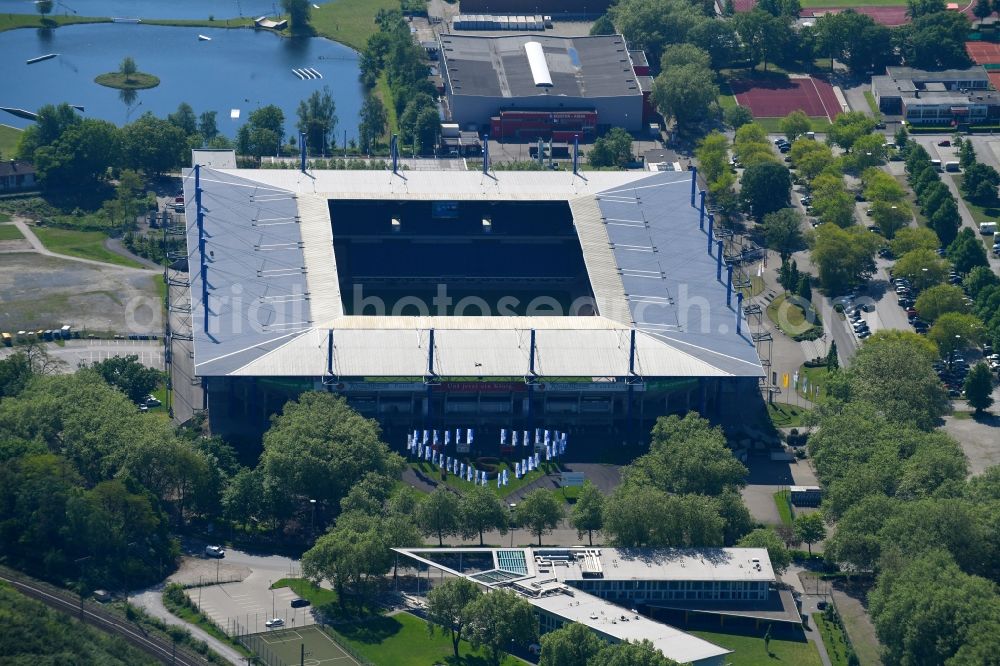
(312, 520)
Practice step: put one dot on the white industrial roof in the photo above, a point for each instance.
(607, 618)
(274, 304)
(549, 568)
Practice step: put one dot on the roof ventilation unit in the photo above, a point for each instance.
(539, 68)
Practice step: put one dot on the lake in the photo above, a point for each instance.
(239, 69)
(173, 9)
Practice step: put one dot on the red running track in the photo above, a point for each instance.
(774, 98)
(888, 16)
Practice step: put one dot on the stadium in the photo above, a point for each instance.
(588, 302)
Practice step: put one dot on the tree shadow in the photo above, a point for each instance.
(372, 631)
(986, 419)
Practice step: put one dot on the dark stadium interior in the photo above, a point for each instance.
(527, 250)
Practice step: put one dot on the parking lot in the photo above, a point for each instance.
(244, 596)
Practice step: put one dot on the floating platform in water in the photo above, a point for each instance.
(20, 113)
(270, 24)
(47, 56)
(316, 74)
(203, 38)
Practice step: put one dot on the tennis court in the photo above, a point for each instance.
(983, 53)
(302, 646)
(890, 16)
(776, 97)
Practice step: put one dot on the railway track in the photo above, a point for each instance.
(164, 651)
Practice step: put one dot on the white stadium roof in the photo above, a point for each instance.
(275, 309)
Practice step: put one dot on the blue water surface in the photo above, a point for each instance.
(238, 69)
(172, 9)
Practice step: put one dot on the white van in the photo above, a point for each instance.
(988, 228)
(936, 164)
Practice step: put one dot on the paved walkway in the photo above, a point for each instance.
(38, 247)
(151, 601)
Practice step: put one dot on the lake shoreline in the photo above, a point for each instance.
(10, 22)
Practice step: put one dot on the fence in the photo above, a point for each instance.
(257, 645)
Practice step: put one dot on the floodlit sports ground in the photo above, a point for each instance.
(429, 299)
(308, 646)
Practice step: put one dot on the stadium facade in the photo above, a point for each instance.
(588, 303)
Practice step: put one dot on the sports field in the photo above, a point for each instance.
(776, 97)
(308, 646)
(983, 53)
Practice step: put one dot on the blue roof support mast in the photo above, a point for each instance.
(200, 217)
(394, 152)
(302, 151)
(701, 212)
(531, 379)
(486, 154)
(694, 183)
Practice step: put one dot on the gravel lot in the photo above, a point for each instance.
(44, 292)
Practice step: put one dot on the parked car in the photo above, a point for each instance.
(274, 623)
(944, 143)
(151, 401)
(299, 603)
(217, 552)
(868, 307)
(864, 334)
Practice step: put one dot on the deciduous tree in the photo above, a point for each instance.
(447, 606)
(540, 512)
(809, 528)
(588, 512)
(766, 537)
(979, 387)
(481, 510)
(499, 620)
(572, 644)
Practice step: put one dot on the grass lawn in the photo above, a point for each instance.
(980, 214)
(8, 141)
(833, 639)
(4, 217)
(461, 485)
(786, 416)
(871, 103)
(198, 23)
(773, 125)
(349, 22)
(316, 595)
(726, 98)
(84, 244)
(402, 640)
(756, 287)
(790, 318)
(10, 232)
(784, 504)
(817, 377)
(14, 21)
(749, 650)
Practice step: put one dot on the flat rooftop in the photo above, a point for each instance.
(539, 575)
(923, 75)
(274, 295)
(580, 67)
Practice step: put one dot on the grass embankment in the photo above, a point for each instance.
(8, 141)
(243, 22)
(137, 81)
(36, 634)
(786, 416)
(452, 481)
(317, 596)
(870, 98)
(176, 601)
(793, 320)
(9, 232)
(818, 124)
(817, 377)
(979, 213)
(750, 650)
(782, 500)
(834, 640)
(83, 244)
(349, 22)
(15, 21)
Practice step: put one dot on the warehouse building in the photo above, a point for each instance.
(605, 588)
(582, 84)
(939, 98)
(588, 303)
